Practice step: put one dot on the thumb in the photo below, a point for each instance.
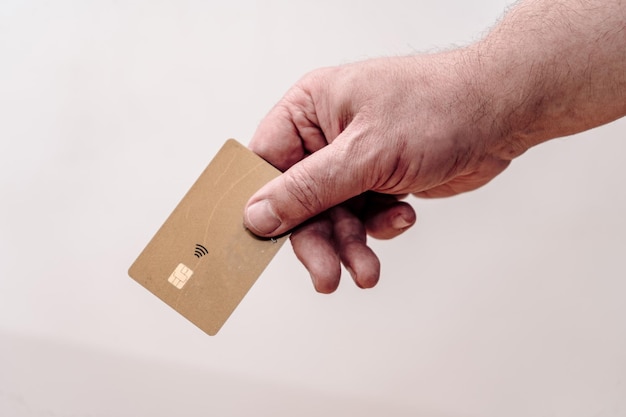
(320, 181)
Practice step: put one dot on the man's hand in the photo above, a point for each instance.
(351, 138)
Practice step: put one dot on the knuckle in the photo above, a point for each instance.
(300, 187)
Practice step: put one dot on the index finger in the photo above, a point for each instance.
(290, 131)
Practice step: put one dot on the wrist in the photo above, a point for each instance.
(479, 105)
(504, 102)
(551, 69)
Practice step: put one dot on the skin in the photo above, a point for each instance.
(351, 139)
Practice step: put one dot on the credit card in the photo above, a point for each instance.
(203, 261)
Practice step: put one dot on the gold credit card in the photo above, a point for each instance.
(203, 261)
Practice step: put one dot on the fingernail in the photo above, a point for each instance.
(261, 217)
(354, 277)
(399, 222)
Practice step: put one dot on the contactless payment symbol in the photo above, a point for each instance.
(200, 251)
(180, 276)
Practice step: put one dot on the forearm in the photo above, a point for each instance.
(552, 68)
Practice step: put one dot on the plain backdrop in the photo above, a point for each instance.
(509, 301)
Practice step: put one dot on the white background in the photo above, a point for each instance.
(509, 301)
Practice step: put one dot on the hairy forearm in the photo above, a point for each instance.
(552, 68)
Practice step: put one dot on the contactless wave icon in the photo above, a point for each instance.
(200, 251)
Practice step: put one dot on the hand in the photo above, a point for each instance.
(351, 138)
